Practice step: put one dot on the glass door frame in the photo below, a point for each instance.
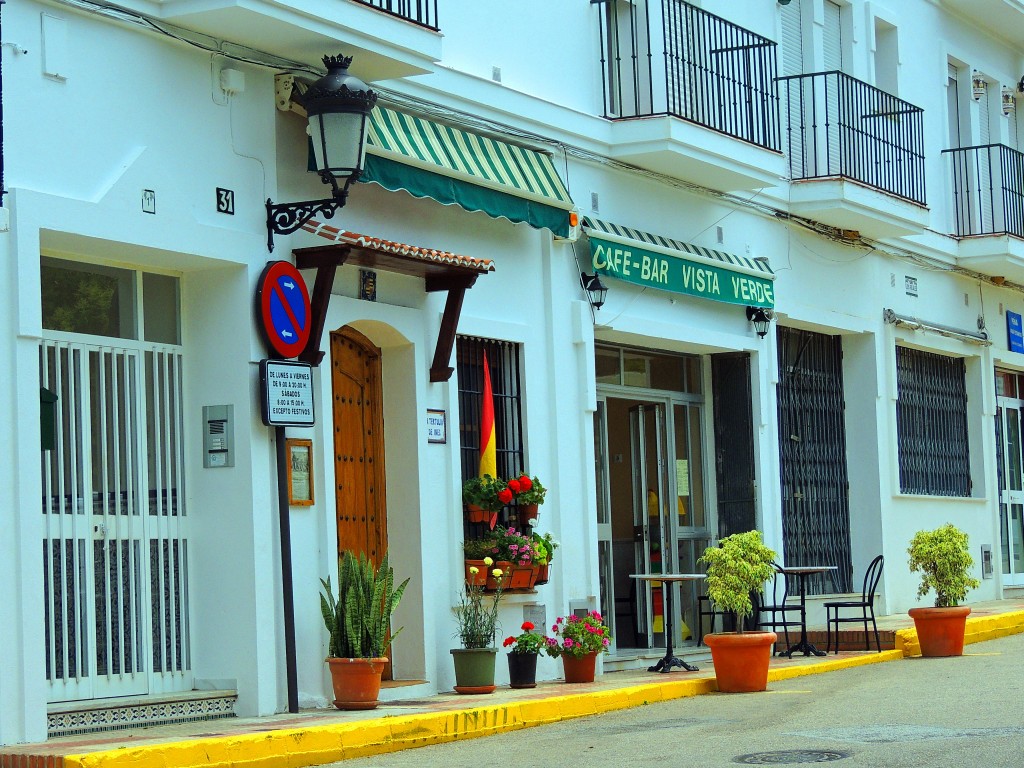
(667, 402)
(1011, 474)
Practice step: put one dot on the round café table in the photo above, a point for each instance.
(801, 572)
(666, 664)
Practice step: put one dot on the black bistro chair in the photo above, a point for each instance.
(774, 611)
(864, 609)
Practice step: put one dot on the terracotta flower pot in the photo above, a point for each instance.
(527, 515)
(522, 670)
(356, 682)
(542, 574)
(940, 631)
(741, 660)
(478, 578)
(579, 669)
(521, 577)
(477, 514)
(506, 570)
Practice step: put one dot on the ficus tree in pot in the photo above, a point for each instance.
(739, 565)
(359, 623)
(944, 561)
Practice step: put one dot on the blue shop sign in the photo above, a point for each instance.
(1014, 332)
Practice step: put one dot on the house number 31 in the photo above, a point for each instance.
(226, 201)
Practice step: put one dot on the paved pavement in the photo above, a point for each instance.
(316, 737)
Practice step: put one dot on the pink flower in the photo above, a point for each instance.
(568, 642)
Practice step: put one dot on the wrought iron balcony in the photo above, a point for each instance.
(667, 57)
(988, 190)
(838, 126)
(422, 12)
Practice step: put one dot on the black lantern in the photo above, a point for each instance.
(761, 318)
(596, 290)
(338, 105)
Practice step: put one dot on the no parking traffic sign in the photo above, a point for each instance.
(282, 304)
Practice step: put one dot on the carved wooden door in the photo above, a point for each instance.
(358, 444)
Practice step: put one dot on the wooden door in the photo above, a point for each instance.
(358, 444)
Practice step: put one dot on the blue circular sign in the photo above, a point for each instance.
(283, 305)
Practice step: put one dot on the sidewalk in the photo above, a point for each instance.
(314, 737)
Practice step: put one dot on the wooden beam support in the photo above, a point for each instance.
(440, 370)
(326, 268)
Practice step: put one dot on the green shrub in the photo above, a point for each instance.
(943, 559)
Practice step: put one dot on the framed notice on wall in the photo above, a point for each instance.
(300, 472)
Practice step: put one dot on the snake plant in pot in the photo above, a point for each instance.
(944, 561)
(359, 622)
(739, 565)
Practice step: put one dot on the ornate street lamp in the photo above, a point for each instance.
(596, 290)
(338, 106)
(761, 318)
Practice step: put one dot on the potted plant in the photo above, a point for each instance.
(739, 565)
(514, 552)
(522, 656)
(544, 551)
(944, 561)
(475, 552)
(482, 497)
(578, 640)
(359, 623)
(529, 494)
(477, 618)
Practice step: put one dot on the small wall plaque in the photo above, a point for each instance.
(1014, 332)
(367, 285)
(226, 201)
(148, 201)
(437, 426)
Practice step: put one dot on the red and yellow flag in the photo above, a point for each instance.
(488, 447)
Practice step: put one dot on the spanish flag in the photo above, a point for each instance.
(488, 449)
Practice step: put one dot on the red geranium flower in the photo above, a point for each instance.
(505, 496)
(527, 626)
(524, 482)
(509, 641)
(513, 485)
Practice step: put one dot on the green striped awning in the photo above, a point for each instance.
(455, 166)
(671, 265)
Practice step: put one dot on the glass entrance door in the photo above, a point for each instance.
(652, 516)
(1011, 491)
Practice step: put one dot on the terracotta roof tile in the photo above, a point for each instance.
(399, 249)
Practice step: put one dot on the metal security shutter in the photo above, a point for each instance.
(833, 38)
(792, 39)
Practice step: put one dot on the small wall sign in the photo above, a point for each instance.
(287, 393)
(226, 201)
(148, 201)
(437, 426)
(300, 472)
(367, 285)
(1014, 332)
(910, 284)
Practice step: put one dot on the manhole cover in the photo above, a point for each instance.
(791, 756)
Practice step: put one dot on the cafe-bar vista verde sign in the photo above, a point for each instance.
(656, 267)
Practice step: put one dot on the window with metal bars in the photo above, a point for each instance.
(931, 423)
(504, 362)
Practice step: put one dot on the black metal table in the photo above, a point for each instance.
(671, 660)
(801, 572)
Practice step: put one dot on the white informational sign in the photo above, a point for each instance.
(287, 389)
(437, 426)
(682, 477)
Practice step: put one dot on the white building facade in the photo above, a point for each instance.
(848, 171)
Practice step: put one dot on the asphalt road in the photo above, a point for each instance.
(966, 711)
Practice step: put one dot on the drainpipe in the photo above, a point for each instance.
(3, 191)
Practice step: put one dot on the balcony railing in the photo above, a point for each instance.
(988, 190)
(840, 126)
(703, 69)
(422, 12)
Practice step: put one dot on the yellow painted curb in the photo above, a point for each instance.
(316, 745)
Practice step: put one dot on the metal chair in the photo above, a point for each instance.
(772, 611)
(866, 607)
